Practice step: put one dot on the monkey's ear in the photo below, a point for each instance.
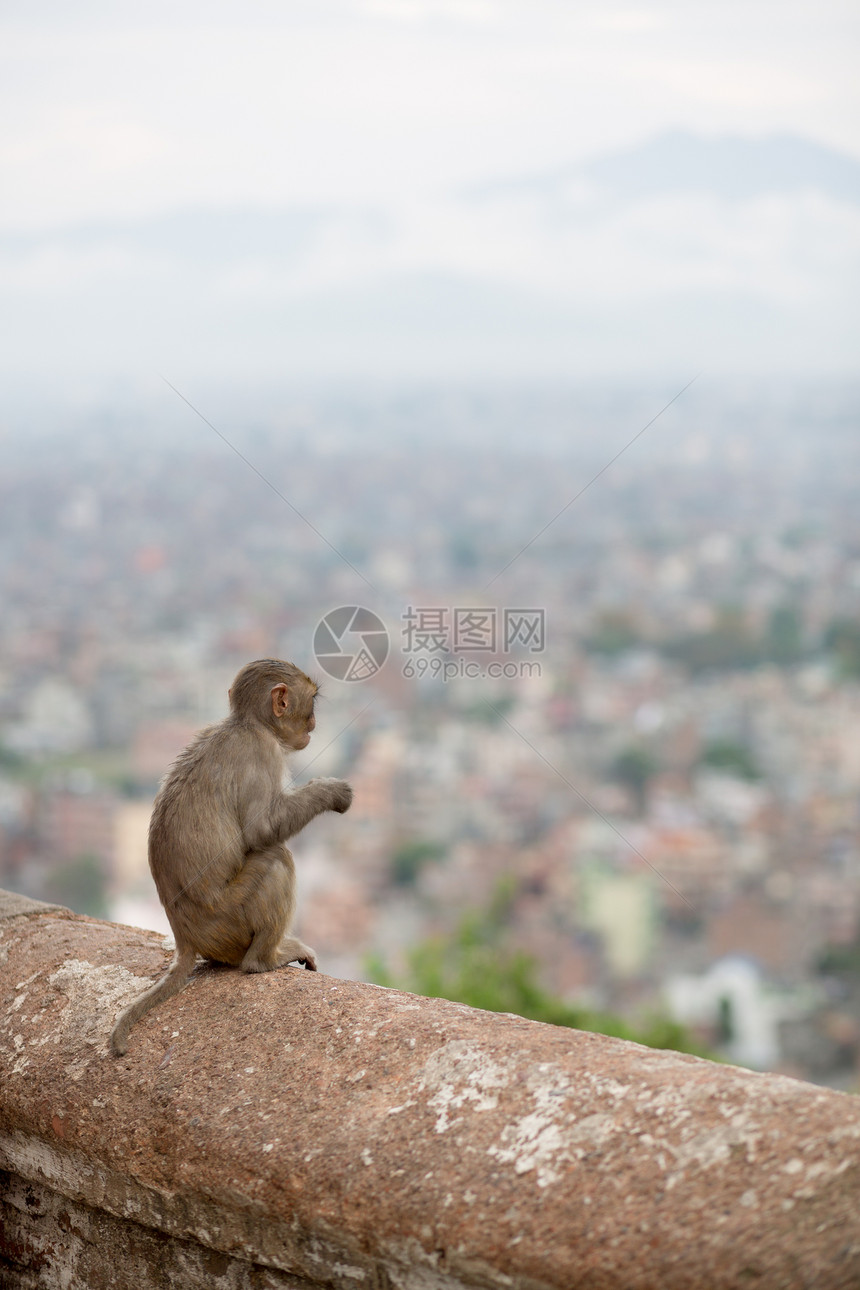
(280, 699)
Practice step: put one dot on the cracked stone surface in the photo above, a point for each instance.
(291, 1129)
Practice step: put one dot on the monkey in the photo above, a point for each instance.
(218, 830)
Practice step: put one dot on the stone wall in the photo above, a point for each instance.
(293, 1130)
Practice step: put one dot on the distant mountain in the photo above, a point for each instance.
(209, 233)
(730, 167)
(615, 263)
(675, 163)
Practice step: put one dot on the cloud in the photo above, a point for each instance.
(449, 287)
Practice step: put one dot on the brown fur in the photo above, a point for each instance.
(218, 829)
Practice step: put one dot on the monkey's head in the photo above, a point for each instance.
(279, 695)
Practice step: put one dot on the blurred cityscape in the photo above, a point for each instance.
(665, 769)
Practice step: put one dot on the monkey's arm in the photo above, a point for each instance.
(268, 822)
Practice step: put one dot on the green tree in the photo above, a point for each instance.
(613, 633)
(841, 960)
(410, 857)
(728, 645)
(474, 966)
(462, 551)
(842, 639)
(733, 758)
(80, 884)
(490, 712)
(783, 641)
(635, 767)
(10, 761)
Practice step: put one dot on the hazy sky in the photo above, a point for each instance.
(120, 109)
(390, 109)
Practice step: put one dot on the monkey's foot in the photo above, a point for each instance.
(292, 950)
(303, 954)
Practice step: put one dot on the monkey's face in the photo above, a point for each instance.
(294, 714)
(303, 726)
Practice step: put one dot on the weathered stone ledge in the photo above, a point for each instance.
(293, 1130)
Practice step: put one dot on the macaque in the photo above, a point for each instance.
(218, 829)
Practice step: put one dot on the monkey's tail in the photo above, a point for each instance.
(171, 983)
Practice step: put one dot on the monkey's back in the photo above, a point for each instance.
(196, 840)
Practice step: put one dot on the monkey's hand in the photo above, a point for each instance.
(338, 793)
